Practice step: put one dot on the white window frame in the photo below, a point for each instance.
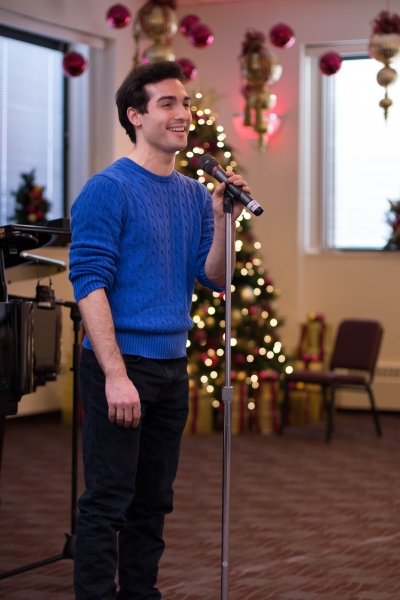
(90, 120)
(316, 174)
(11, 37)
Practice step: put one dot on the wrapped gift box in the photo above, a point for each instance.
(200, 419)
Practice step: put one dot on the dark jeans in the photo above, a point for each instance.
(129, 475)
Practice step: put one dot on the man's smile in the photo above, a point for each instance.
(177, 129)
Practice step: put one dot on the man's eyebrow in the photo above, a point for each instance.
(173, 98)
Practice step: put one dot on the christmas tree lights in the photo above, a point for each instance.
(257, 353)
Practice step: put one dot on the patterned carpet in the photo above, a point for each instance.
(310, 521)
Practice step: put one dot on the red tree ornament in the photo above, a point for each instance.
(118, 16)
(282, 36)
(187, 23)
(201, 36)
(74, 64)
(330, 63)
(189, 69)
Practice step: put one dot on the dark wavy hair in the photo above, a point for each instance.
(132, 92)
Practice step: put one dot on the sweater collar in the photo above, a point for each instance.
(140, 170)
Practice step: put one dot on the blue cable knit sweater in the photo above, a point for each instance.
(144, 238)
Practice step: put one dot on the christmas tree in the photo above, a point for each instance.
(257, 353)
(30, 205)
(393, 218)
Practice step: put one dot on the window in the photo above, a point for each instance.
(32, 118)
(356, 154)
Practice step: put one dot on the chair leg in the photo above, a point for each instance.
(329, 412)
(284, 407)
(374, 412)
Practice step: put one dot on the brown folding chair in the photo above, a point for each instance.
(356, 349)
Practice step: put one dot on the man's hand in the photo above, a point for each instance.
(122, 396)
(215, 261)
(123, 401)
(218, 196)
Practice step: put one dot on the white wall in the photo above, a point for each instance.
(339, 285)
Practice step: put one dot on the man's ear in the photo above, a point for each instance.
(134, 116)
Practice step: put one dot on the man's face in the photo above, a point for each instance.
(166, 124)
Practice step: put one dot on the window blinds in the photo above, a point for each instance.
(31, 122)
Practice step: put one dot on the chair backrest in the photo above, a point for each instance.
(357, 345)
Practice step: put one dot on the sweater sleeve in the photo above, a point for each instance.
(207, 233)
(96, 224)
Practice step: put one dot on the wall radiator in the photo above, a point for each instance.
(386, 387)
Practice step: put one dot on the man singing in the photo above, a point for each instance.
(141, 234)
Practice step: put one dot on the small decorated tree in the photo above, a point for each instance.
(31, 206)
(393, 218)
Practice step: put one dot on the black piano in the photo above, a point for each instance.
(29, 334)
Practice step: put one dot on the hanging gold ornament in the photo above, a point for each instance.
(260, 65)
(261, 69)
(158, 53)
(384, 46)
(258, 100)
(157, 21)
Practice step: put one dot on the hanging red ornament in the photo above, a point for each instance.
(282, 36)
(74, 64)
(187, 23)
(188, 68)
(330, 63)
(118, 16)
(201, 36)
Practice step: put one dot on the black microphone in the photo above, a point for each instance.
(210, 166)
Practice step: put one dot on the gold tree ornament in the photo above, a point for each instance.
(384, 46)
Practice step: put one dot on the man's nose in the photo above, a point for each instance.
(181, 112)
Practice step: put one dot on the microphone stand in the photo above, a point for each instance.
(227, 398)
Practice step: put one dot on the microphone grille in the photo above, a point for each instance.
(207, 163)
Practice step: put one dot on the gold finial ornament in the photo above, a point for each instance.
(386, 103)
(384, 46)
